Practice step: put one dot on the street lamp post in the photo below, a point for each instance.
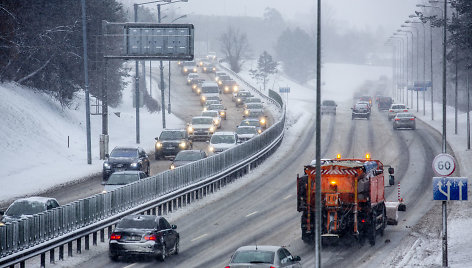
(407, 68)
(424, 57)
(417, 63)
(400, 67)
(412, 63)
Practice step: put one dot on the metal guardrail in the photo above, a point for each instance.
(43, 232)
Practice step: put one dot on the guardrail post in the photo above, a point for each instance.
(61, 252)
(109, 231)
(94, 238)
(102, 235)
(153, 211)
(87, 242)
(22, 264)
(51, 256)
(69, 249)
(79, 245)
(43, 260)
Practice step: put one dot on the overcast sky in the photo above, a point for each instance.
(388, 14)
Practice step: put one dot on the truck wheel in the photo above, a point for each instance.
(372, 231)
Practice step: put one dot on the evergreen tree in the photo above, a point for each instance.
(265, 67)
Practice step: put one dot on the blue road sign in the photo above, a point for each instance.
(450, 188)
(284, 90)
(423, 84)
(420, 88)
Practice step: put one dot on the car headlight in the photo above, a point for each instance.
(214, 69)
(204, 68)
(216, 79)
(203, 98)
(246, 112)
(106, 165)
(188, 80)
(182, 145)
(259, 131)
(172, 166)
(219, 82)
(263, 121)
(226, 88)
(134, 165)
(104, 192)
(194, 86)
(198, 91)
(222, 113)
(217, 121)
(194, 69)
(185, 70)
(158, 145)
(190, 129)
(235, 88)
(205, 109)
(212, 129)
(239, 100)
(211, 149)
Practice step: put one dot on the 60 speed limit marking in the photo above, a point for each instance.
(444, 165)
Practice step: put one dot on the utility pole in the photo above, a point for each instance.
(136, 82)
(161, 68)
(444, 148)
(87, 96)
(318, 143)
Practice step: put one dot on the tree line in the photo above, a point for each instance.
(41, 46)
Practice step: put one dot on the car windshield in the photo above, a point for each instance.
(193, 75)
(361, 106)
(254, 106)
(246, 130)
(171, 135)
(210, 90)
(124, 152)
(398, 107)
(122, 179)
(253, 100)
(25, 207)
(218, 139)
(216, 107)
(244, 94)
(253, 256)
(202, 121)
(210, 113)
(188, 156)
(137, 223)
(250, 123)
(213, 98)
(404, 115)
(189, 63)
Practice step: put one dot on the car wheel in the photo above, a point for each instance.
(114, 257)
(394, 128)
(162, 256)
(177, 246)
(414, 127)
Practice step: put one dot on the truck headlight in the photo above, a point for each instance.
(158, 145)
(172, 166)
(182, 145)
(212, 129)
(134, 165)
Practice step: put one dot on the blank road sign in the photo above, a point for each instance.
(450, 188)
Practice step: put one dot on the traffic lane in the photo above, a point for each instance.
(415, 182)
(253, 211)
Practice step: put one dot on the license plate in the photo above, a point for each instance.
(119, 169)
(170, 148)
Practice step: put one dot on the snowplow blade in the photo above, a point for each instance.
(392, 212)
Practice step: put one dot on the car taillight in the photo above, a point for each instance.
(115, 236)
(150, 237)
(412, 119)
(397, 119)
(363, 221)
(391, 111)
(405, 110)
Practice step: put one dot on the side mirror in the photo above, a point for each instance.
(156, 138)
(207, 141)
(173, 226)
(391, 180)
(2, 213)
(297, 258)
(391, 170)
(107, 155)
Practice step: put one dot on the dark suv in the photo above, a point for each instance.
(125, 158)
(361, 110)
(170, 142)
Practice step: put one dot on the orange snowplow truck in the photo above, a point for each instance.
(352, 199)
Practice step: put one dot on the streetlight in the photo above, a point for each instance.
(412, 63)
(401, 64)
(444, 148)
(417, 62)
(407, 68)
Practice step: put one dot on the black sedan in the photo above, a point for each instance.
(144, 235)
(404, 120)
(125, 158)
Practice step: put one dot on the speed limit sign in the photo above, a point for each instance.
(444, 165)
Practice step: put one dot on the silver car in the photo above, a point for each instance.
(404, 120)
(263, 256)
(118, 179)
(396, 108)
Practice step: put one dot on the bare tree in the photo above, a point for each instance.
(234, 46)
